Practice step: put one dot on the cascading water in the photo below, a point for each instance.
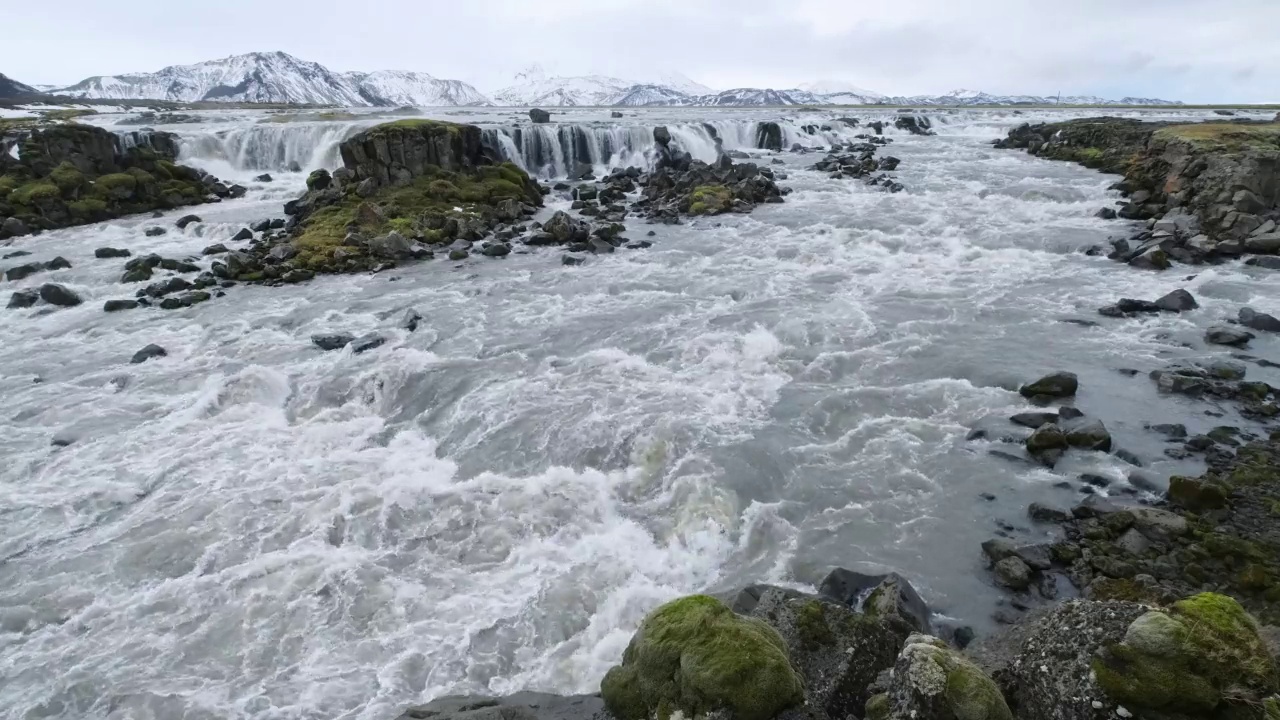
(556, 150)
(269, 146)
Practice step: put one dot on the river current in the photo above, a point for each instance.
(251, 527)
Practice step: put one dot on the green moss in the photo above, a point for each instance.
(1188, 658)
(1271, 708)
(710, 200)
(67, 114)
(878, 707)
(88, 210)
(67, 178)
(437, 193)
(116, 185)
(430, 127)
(696, 656)
(811, 623)
(35, 193)
(1229, 137)
(8, 184)
(1122, 589)
(972, 695)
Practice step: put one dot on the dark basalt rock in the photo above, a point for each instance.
(334, 341)
(539, 116)
(60, 295)
(1254, 320)
(1056, 385)
(149, 352)
(23, 299)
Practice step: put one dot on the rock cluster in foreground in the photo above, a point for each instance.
(770, 652)
(72, 174)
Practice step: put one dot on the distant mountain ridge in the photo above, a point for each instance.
(277, 77)
(10, 88)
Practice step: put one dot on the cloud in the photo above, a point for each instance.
(1141, 47)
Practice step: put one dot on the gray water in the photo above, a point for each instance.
(251, 527)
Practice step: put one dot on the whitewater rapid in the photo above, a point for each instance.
(251, 527)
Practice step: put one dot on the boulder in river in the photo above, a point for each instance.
(1055, 385)
(769, 136)
(118, 305)
(539, 116)
(1177, 301)
(1255, 320)
(23, 299)
(60, 295)
(332, 341)
(186, 220)
(147, 353)
(1223, 335)
(104, 253)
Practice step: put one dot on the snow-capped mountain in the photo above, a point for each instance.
(532, 86)
(839, 87)
(975, 97)
(272, 77)
(276, 77)
(12, 88)
(396, 87)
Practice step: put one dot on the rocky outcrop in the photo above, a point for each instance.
(696, 188)
(769, 136)
(1212, 189)
(406, 190)
(914, 124)
(859, 161)
(76, 174)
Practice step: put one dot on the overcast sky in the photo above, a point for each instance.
(1190, 50)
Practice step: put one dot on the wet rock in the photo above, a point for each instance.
(21, 272)
(60, 295)
(1056, 385)
(23, 299)
(1222, 335)
(1152, 259)
(1197, 494)
(332, 341)
(1170, 430)
(412, 318)
(13, 227)
(572, 260)
(244, 234)
(1087, 434)
(1047, 444)
(1044, 513)
(496, 250)
(297, 275)
(520, 706)
(149, 352)
(1255, 320)
(1013, 573)
(261, 226)
(890, 597)
(539, 116)
(1106, 213)
(186, 220)
(264, 177)
(392, 245)
(1177, 301)
(118, 305)
(365, 343)
(104, 253)
(217, 249)
(154, 231)
(1034, 420)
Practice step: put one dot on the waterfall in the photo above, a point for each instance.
(270, 146)
(555, 150)
(552, 150)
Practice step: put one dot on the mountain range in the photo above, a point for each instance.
(277, 77)
(10, 88)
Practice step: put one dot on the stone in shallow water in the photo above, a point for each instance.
(148, 353)
(332, 341)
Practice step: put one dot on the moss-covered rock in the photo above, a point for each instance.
(75, 174)
(695, 656)
(933, 682)
(710, 200)
(1202, 652)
